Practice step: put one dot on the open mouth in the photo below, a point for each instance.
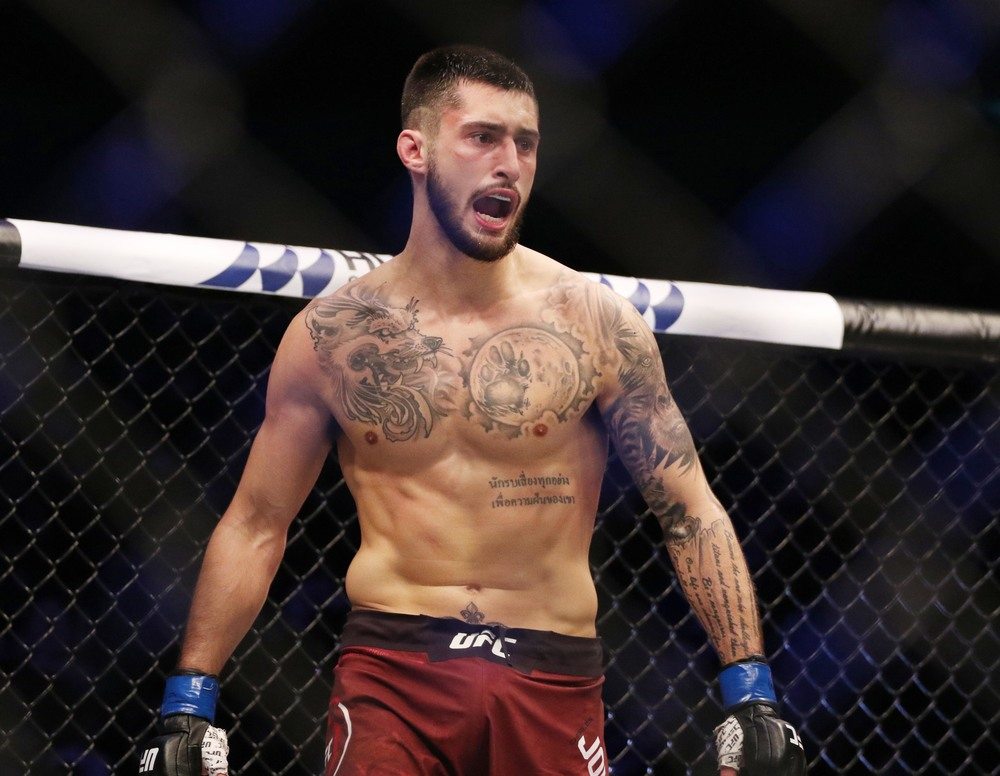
(494, 209)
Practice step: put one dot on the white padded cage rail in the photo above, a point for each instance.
(799, 318)
(785, 317)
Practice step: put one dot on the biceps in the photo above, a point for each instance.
(655, 445)
(648, 430)
(284, 463)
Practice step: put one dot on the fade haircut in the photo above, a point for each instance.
(433, 81)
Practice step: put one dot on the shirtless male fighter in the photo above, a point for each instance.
(471, 386)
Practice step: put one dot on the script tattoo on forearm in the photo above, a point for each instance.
(715, 579)
(384, 369)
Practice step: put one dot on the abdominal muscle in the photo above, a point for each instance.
(434, 546)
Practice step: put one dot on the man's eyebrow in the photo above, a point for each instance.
(495, 126)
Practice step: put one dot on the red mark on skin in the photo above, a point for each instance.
(540, 429)
(371, 437)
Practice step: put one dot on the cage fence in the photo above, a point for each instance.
(865, 490)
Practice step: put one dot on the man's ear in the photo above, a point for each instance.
(412, 147)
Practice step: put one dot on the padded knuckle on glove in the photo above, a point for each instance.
(769, 746)
(177, 750)
(763, 738)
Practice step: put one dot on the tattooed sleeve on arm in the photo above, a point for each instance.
(653, 441)
(649, 432)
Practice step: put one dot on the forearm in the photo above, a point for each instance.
(236, 574)
(714, 577)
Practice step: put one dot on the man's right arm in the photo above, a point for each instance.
(244, 552)
(247, 545)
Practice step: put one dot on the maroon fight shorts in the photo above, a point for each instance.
(428, 696)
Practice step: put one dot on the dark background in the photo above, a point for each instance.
(852, 148)
(848, 147)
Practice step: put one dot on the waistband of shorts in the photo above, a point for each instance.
(447, 638)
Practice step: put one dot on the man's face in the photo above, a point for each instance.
(481, 169)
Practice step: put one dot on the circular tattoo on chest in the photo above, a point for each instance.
(518, 375)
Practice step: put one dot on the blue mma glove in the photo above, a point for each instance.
(752, 739)
(187, 744)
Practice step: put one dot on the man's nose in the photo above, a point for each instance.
(508, 163)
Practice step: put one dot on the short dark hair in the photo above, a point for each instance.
(432, 81)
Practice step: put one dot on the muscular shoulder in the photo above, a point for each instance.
(327, 322)
(378, 366)
(356, 309)
(613, 338)
(620, 343)
(591, 311)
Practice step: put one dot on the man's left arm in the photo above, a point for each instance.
(654, 443)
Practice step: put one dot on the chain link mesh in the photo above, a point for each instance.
(866, 493)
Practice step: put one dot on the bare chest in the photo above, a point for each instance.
(403, 375)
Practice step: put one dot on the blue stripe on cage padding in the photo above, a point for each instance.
(317, 275)
(237, 273)
(275, 276)
(666, 311)
(669, 310)
(640, 297)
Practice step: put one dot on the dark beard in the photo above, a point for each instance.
(448, 215)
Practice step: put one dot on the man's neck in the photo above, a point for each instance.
(454, 281)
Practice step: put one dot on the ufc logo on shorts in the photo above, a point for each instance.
(594, 755)
(481, 639)
(147, 760)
